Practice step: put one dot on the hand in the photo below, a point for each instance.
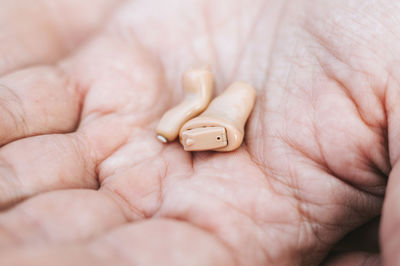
(85, 182)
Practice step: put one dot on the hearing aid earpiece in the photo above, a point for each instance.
(198, 85)
(221, 126)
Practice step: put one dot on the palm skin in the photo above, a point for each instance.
(84, 180)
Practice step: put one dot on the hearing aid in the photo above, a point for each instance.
(198, 85)
(221, 126)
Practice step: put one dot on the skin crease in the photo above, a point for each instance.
(84, 181)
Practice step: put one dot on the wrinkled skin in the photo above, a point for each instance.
(83, 180)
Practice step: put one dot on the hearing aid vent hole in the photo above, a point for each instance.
(218, 138)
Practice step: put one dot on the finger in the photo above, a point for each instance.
(35, 32)
(59, 217)
(353, 259)
(60, 161)
(38, 164)
(174, 243)
(45, 100)
(390, 233)
(39, 100)
(116, 104)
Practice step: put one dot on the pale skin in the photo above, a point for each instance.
(83, 180)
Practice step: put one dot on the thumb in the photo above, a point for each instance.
(390, 230)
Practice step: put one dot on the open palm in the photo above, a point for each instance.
(83, 179)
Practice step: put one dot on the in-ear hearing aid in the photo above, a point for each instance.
(198, 85)
(221, 126)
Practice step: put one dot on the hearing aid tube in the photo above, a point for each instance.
(221, 126)
(198, 85)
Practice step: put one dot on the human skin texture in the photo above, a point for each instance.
(84, 181)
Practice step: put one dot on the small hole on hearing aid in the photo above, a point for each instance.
(218, 138)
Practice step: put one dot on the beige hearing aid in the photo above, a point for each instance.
(198, 85)
(221, 126)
